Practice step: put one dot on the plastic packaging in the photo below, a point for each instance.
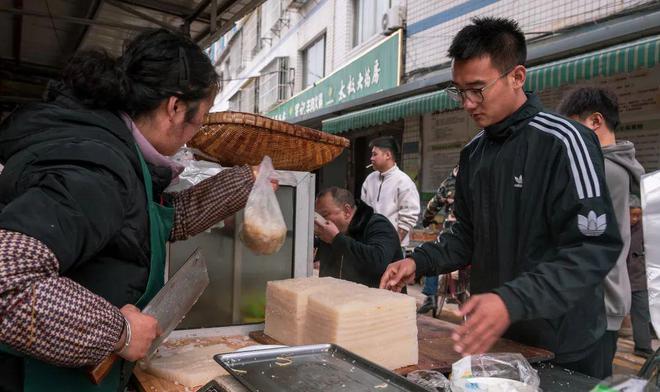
(494, 372)
(622, 382)
(430, 379)
(651, 218)
(194, 171)
(263, 230)
(490, 384)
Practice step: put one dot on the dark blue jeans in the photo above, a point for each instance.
(430, 285)
(641, 319)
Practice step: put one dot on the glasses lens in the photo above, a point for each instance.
(474, 96)
(453, 94)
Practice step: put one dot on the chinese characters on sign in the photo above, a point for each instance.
(375, 70)
(310, 105)
(364, 80)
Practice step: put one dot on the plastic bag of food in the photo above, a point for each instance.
(429, 379)
(263, 230)
(494, 372)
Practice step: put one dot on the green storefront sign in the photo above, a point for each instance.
(377, 69)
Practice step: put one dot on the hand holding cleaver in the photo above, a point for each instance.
(169, 306)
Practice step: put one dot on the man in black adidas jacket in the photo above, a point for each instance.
(534, 217)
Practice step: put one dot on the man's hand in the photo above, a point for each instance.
(326, 231)
(144, 329)
(487, 319)
(398, 274)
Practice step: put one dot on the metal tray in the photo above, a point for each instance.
(321, 367)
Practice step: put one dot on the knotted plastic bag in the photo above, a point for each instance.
(494, 372)
(430, 379)
(264, 230)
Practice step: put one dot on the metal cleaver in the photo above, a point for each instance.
(169, 306)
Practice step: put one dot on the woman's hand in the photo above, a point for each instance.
(144, 329)
(274, 182)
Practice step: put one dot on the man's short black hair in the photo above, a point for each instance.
(584, 101)
(386, 143)
(499, 38)
(341, 196)
(634, 201)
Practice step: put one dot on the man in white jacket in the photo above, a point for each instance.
(389, 191)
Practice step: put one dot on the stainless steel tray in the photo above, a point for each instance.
(321, 367)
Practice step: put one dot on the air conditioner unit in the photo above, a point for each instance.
(393, 19)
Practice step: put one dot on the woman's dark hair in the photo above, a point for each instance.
(500, 38)
(155, 65)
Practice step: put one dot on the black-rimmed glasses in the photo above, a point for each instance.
(474, 95)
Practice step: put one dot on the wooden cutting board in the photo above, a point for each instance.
(436, 347)
(148, 383)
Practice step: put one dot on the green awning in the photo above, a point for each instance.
(406, 107)
(606, 62)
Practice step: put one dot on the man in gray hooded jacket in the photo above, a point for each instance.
(598, 110)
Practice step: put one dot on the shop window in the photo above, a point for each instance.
(235, 102)
(249, 97)
(274, 83)
(368, 18)
(314, 62)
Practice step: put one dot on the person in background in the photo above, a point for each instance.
(389, 191)
(534, 218)
(442, 201)
(356, 243)
(639, 309)
(598, 109)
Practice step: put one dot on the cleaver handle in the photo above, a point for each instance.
(97, 373)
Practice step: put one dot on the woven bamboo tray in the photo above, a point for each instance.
(234, 138)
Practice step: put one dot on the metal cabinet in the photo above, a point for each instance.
(236, 293)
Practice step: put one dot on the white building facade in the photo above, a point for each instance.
(313, 63)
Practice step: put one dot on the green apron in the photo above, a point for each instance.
(40, 376)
